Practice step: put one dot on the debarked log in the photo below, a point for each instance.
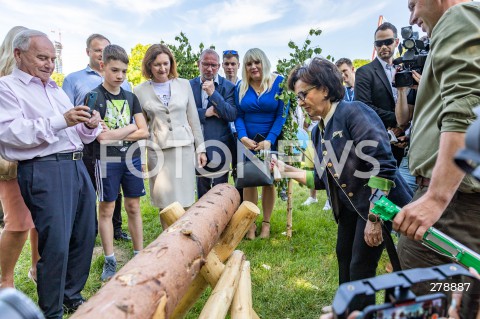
(152, 283)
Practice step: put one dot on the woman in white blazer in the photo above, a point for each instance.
(174, 126)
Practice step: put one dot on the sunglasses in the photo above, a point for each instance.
(387, 42)
(302, 95)
(230, 52)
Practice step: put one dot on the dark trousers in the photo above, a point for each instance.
(117, 212)
(204, 184)
(61, 198)
(461, 221)
(356, 260)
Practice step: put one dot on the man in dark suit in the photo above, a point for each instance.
(214, 96)
(373, 82)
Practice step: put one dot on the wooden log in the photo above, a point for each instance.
(221, 298)
(155, 280)
(213, 268)
(242, 300)
(289, 208)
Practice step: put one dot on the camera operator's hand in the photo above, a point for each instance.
(416, 76)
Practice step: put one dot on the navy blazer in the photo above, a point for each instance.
(355, 129)
(372, 88)
(214, 128)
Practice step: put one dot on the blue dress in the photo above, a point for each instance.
(260, 115)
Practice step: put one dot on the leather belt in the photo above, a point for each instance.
(72, 156)
(422, 181)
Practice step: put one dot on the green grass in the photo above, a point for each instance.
(290, 278)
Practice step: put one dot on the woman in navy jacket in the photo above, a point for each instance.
(351, 146)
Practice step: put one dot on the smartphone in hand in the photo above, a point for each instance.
(90, 100)
(259, 138)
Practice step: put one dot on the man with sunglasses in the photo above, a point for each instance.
(215, 100)
(373, 82)
(231, 64)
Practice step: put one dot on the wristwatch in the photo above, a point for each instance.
(373, 218)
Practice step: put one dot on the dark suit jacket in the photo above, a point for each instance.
(352, 125)
(214, 128)
(372, 88)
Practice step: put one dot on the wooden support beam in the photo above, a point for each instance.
(242, 300)
(210, 273)
(221, 298)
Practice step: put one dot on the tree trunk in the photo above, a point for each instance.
(155, 280)
(289, 208)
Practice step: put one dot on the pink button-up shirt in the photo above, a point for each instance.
(32, 122)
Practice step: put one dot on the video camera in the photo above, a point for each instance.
(413, 59)
(400, 301)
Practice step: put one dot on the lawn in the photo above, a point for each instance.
(290, 278)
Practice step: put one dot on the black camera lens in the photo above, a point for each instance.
(409, 44)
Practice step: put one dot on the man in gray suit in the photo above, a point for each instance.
(214, 97)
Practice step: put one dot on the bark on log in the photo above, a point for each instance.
(221, 298)
(156, 279)
(229, 240)
(242, 301)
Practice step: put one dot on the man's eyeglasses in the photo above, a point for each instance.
(387, 42)
(302, 95)
(208, 65)
(230, 52)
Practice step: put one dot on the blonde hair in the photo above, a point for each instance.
(7, 59)
(256, 55)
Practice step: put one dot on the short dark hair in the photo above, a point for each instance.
(321, 73)
(227, 54)
(344, 61)
(386, 26)
(95, 36)
(114, 52)
(152, 52)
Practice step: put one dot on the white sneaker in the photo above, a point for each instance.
(327, 205)
(310, 201)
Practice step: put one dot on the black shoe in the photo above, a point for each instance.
(71, 307)
(283, 195)
(121, 235)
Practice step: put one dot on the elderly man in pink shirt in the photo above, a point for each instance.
(40, 128)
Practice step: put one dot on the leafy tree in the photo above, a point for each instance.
(185, 56)
(360, 62)
(58, 78)
(134, 73)
(299, 55)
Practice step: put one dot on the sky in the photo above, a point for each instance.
(347, 25)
